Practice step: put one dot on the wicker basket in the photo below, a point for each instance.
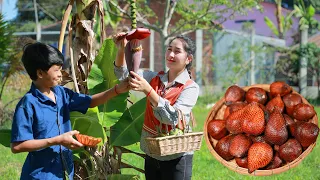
(167, 145)
(217, 112)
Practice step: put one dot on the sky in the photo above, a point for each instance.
(8, 9)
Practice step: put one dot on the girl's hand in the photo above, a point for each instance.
(68, 141)
(138, 83)
(123, 86)
(120, 40)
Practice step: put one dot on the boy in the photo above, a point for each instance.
(41, 123)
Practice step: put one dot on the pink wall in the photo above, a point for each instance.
(260, 26)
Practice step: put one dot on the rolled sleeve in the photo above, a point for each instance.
(121, 72)
(22, 125)
(168, 114)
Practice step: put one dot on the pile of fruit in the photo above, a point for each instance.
(261, 129)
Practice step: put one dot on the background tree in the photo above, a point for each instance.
(183, 16)
(5, 50)
(312, 53)
(306, 21)
(48, 13)
(284, 22)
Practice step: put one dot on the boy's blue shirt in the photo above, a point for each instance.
(38, 117)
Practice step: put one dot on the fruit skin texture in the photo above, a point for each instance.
(276, 130)
(274, 103)
(279, 88)
(239, 145)
(256, 94)
(288, 119)
(222, 147)
(253, 122)
(235, 106)
(250, 120)
(290, 101)
(275, 163)
(234, 121)
(242, 162)
(290, 150)
(259, 155)
(217, 128)
(234, 93)
(306, 133)
(303, 112)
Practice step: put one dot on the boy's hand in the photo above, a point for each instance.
(68, 141)
(120, 40)
(123, 86)
(138, 83)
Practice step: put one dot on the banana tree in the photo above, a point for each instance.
(93, 73)
(284, 23)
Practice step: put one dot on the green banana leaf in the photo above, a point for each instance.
(5, 137)
(88, 123)
(127, 130)
(271, 25)
(122, 177)
(101, 78)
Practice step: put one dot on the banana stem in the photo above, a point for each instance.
(64, 24)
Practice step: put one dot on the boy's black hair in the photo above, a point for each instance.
(40, 56)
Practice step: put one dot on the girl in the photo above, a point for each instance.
(170, 96)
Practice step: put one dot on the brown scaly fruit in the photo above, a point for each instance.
(239, 145)
(256, 94)
(279, 88)
(242, 162)
(290, 150)
(259, 155)
(234, 93)
(290, 101)
(234, 121)
(288, 119)
(293, 127)
(275, 163)
(260, 138)
(222, 147)
(265, 111)
(226, 113)
(303, 112)
(276, 102)
(276, 130)
(217, 128)
(237, 106)
(306, 133)
(253, 119)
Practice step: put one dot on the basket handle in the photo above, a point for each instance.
(181, 120)
(182, 123)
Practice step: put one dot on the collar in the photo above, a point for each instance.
(37, 93)
(181, 78)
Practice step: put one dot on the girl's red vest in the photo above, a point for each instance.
(150, 122)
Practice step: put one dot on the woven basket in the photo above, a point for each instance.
(217, 112)
(167, 145)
